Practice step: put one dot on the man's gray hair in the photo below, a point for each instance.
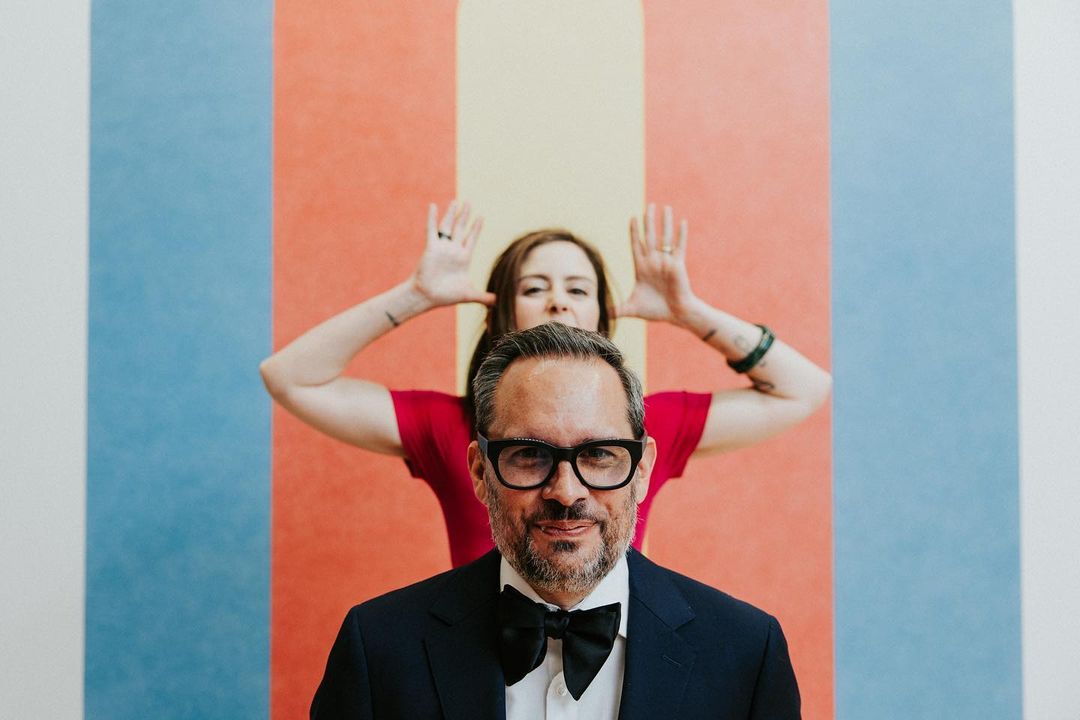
(553, 340)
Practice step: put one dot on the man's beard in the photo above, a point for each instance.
(543, 573)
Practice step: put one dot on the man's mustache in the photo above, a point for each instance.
(552, 510)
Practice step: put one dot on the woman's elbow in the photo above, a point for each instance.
(822, 390)
(272, 377)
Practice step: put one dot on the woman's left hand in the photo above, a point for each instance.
(661, 284)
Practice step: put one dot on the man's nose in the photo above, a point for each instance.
(564, 486)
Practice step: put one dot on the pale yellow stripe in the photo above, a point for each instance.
(551, 132)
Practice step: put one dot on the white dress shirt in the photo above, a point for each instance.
(542, 694)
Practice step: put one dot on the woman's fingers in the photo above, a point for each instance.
(669, 242)
(669, 230)
(446, 225)
(461, 222)
(432, 219)
(469, 241)
(485, 298)
(650, 226)
(637, 243)
(454, 224)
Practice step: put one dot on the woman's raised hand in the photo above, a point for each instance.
(442, 275)
(661, 284)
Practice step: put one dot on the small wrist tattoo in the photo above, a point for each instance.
(763, 385)
(393, 321)
(706, 336)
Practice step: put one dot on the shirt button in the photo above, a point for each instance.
(561, 690)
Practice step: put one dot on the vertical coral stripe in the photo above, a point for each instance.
(363, 140)
(737, 140)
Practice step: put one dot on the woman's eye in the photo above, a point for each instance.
(532, 288)
(579, 291)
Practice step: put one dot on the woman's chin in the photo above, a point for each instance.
(568, 320)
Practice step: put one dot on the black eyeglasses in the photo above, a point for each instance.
(524, 464)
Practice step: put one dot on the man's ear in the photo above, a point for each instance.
(644, 470)
(476, 470)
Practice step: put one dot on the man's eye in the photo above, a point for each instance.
(524, 455)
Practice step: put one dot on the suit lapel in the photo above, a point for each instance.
(463, 652)
(464, 657)
(658, 661)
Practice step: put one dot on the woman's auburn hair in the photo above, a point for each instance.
(503, 283)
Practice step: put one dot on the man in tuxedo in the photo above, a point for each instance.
(564, 619)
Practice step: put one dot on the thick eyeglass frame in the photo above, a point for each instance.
(493, 448)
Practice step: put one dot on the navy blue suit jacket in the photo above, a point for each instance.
(431, 651)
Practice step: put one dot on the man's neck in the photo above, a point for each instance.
(613, 587)
(564, 600)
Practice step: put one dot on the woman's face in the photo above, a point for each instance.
(556, 283)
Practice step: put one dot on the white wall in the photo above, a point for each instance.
(44, 129)
(1047, 63)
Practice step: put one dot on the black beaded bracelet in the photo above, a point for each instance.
(750, 361)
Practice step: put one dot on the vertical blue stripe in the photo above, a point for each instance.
(177, 609)
(926, 470)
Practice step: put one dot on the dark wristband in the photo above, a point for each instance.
(749, 362)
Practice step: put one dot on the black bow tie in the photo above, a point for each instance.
(525, 626)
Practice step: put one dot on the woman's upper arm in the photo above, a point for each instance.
(354, 411)
(738, 418)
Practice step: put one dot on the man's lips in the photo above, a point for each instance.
(565, 528)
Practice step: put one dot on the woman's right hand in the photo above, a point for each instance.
(442, 276)
(307, 376)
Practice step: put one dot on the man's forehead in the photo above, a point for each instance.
(583, 396)
(574, 375)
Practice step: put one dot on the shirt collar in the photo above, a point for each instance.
(614, 588)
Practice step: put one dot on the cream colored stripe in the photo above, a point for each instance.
(551, 132)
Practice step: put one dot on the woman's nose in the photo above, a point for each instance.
(557, 301)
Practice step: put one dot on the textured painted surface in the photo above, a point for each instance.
(737, 140)
(924, 319)
(363, 141)
(177, 562)
(926, 613)
(551, 129)
(334, 506)
(1047, 107)
(44, 146)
